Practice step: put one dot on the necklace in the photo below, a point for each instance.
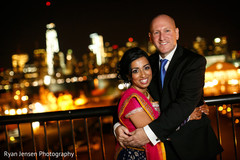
(147, 95)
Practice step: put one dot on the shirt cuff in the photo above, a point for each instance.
(151, 136)
(188, 119)
(115, 127)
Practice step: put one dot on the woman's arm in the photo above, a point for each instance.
(137, 114)
(140, 119)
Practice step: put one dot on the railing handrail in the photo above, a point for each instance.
(58, 115)
(98, 111)
(223, 99)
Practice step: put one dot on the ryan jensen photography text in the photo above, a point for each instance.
(40, 153)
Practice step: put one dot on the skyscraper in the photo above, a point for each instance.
(51, 46)
(97, 47)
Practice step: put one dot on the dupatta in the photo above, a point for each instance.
(126, 108)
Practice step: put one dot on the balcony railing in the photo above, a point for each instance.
(84, 133)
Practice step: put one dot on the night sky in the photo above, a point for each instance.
(23, 23)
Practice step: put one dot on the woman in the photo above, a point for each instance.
(137, 108)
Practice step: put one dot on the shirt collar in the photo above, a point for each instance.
(170, 55)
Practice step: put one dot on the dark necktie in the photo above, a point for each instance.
(163, 71)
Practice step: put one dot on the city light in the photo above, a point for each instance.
(130, 39)
(79, 101)
(47, 80)
(220, 108)
(65, 101)
(24, 111)
(236, 120)
(37, 107)
(217, 40)
(48, 3)
(18, 111)
(35, 125)
(24, 98)
(229, 109)
(115, 46)
(12, 112)
(12, 138)
(121, 86)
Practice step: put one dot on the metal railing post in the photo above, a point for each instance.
(7, 142)
(88, 139)
(218, 129)
(102, 140)
(33, 140)
(234, 133)
(73, 139)
(60, 138)
(20, 137)
(46, 137)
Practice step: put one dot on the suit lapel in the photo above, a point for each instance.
(176, 59)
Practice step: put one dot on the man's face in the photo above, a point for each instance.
(163, 34)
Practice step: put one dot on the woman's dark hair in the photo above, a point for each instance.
(124, 66)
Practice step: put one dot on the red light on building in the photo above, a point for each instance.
(130, 39)
(48, 3)
(115, 46)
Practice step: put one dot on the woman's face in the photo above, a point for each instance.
(141, 74)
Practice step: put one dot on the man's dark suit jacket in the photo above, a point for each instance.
(182, 92)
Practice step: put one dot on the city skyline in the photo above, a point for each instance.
(25, 23)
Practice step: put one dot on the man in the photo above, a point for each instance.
(179, 93)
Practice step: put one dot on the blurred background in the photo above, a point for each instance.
(61, 55)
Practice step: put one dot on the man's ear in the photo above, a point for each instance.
(150, 37)
(177, 33)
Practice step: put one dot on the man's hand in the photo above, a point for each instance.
(122, 134)
(138, 138)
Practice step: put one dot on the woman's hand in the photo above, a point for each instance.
(197, 113)
(204, 109)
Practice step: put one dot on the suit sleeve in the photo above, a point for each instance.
(187, 95)
(115, 114)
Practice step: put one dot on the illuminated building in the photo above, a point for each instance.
(220, 45)
(30, 71)
(70, 62)
(59, 64)
(222, 78)
(214, 59)
(235, 58)
(19, 61)
(97, 48)
(61, 60)
(40, 61)
(51, 46)
(200, 46)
